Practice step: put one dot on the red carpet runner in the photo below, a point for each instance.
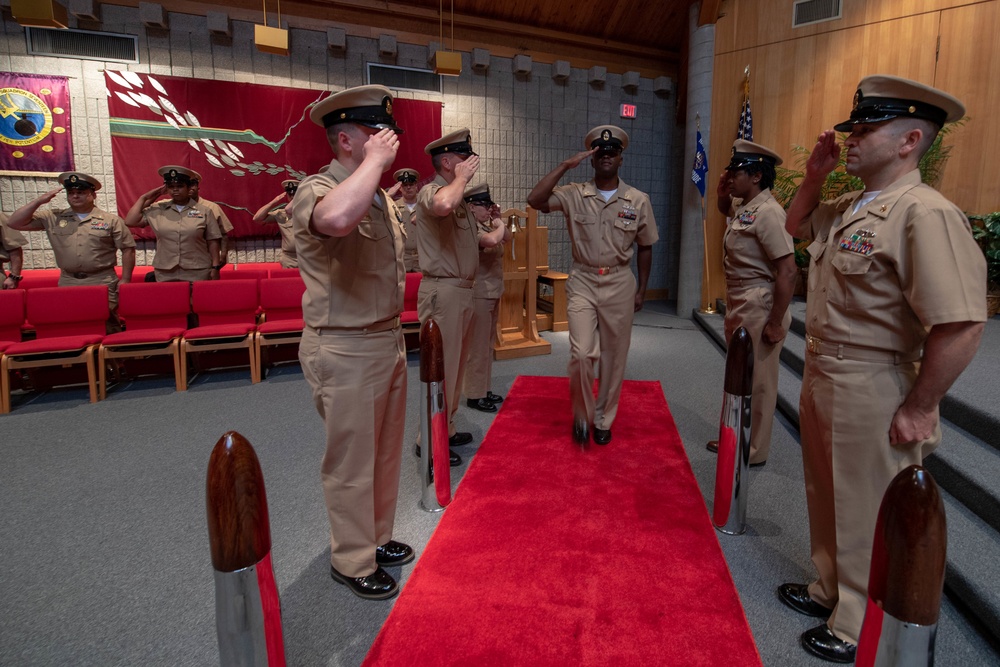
(550, 555)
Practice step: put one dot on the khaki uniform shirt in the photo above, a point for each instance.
(448, 247)
(603, 233)
(181, 236)
(83, 246)
(352, 281)
(411, 254)
(220, 215)
(755, 238)
(879, 278)
(489, 277)
(10, 238)
(279, 216)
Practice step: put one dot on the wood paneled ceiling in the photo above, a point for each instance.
(645, 35)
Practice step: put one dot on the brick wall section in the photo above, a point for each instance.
(522, 125)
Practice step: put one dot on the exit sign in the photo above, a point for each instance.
(628, 111)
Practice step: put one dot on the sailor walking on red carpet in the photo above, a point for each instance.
(605, 218)
(349, 243)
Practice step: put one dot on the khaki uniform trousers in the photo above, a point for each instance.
(479, 368)
(599, 310)
(846, 410)
(359, 387)
(289, 261)
(451, 308)
(107, 277)
(749, 307)
(178, 274)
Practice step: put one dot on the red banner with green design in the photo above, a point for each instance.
(244, 139)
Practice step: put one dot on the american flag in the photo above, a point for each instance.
(745, 129)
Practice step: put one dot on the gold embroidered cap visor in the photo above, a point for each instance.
(746, 153)
(173, 173)
(605, 137)
(882, 97)
(370, 106)
(458, 142)
(76, 180)
(406, 175)
(480, 195)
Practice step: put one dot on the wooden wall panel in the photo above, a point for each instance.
(803, 81)
(969, 69)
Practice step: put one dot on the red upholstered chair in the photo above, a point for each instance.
(244, 274)
(138, 273)
(227, 319)
(35, 278)
(258, 266)
(11, 321)
(281, 300)
(156, 318)
(70, 323)
(408, 318)
(11, 316)
(285, 273)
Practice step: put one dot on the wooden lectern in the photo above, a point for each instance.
(517, 327)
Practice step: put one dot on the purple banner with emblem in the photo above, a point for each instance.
(35, 130)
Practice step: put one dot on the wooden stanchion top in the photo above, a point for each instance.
(239, 531)
(431, 352)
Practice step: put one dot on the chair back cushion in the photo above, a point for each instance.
(281, 298)
(68, 311)
(154, 305)
(410, 291)
(224, 301)
(12, 314)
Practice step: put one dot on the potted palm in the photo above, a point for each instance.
(986, 231)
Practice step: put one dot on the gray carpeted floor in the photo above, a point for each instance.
(104, 543)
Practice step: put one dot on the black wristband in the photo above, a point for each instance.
(216, 267)
(16, 277)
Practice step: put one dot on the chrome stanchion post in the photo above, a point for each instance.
(733, 465)
(435, 464)
(247, 608)
(907, 574)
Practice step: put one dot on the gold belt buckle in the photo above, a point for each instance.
(812, 344)
(604, 270)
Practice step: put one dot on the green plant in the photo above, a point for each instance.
(986, 231)
(839, 182)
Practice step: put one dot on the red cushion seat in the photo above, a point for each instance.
(140, 336)
(281, 326)
(234, 330)
(54, 345)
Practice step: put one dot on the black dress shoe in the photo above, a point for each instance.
(379, 585)
(581, 432)
(460, 438)
(602, 436)
(797, 597)
(393, 553)
(454, 460)
(712, 446)
(821, 642)
(493, 398)
(481, 404)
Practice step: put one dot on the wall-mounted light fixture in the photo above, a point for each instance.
(39, 13)
(447, 63)
(271, 40)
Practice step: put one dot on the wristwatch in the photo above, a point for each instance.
(216, 267)
(16, 277)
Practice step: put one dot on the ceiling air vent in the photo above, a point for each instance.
(805, 12)
(83, 44)
(404, 78)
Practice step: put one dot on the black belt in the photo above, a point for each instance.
(80, 275)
